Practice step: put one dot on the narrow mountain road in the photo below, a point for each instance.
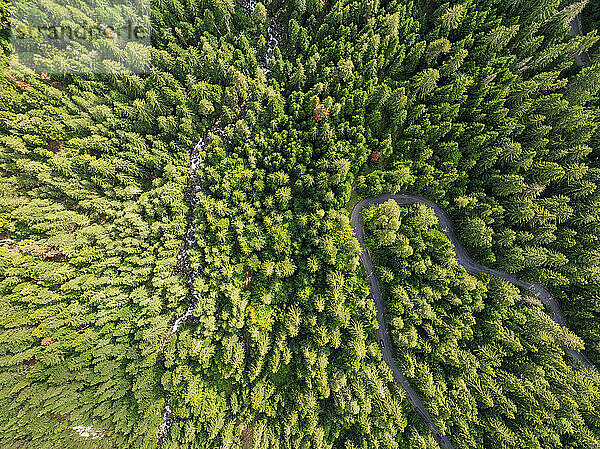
(575, 29)
(470, 266)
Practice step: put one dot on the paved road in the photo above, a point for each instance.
(575, 29)
(470, 266)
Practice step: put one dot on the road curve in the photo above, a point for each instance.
(575, 29)
(470, 266)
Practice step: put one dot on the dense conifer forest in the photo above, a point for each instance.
(177, 264)
(488, 360)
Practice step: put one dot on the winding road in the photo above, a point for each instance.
(183, 265)
(470, 266)
(575, 30)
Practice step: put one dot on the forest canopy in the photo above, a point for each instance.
(178, 268)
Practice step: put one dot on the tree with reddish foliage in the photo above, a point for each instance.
(20, 84)
(375, 155)
(321, 112)
(47, 341)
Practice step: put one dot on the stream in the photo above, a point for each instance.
(184, 264)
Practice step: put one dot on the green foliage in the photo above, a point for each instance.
(488, 362)
(478, 105)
